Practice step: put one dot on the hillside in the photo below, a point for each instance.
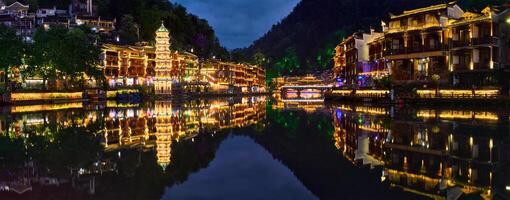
(304, 40)
(144, 17)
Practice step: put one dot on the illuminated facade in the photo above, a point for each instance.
(128, 65)
(237, 76)
(416, 42)
(164, 75)
(352, 60)
(100, 24)
(436, 42)
(474, 48)
(170, 72)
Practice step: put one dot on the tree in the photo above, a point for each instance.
(11, 52)
(60, 52)
(44, 53)
(129, 31)
(260, 59)
(288, 64)
(79, 57)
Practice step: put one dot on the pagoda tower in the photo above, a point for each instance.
(163, 81)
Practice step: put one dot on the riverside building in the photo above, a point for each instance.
(440, 43)
(352, 59)
(169, 72)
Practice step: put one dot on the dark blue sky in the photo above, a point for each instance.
(239, 22)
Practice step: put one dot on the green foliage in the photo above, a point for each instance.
(11, 151)
(288, 63)
(11, 51)
(385, 82)
(60, 52)
(260, 59)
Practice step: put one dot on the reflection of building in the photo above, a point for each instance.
(360, 133)
(430, 152)
(158, 127)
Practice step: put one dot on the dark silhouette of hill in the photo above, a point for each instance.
(312, 30)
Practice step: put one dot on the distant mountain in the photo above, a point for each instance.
(308, 35)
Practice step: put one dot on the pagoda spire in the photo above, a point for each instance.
(162, 28)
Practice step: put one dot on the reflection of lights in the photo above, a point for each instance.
(457, 93)
(45, 107)
(457, 114)
(45, 96)
(130, 113)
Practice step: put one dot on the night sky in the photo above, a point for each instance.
(239, 22)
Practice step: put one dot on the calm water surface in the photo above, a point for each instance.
(253, 148)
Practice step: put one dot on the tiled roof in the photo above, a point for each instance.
(16, 6)
(424, 9)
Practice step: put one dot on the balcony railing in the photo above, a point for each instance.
(474, 41)
(395, 51)
(461, 43)
(484, 41)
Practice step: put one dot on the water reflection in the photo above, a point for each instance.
(77, 144)
(431, 152)
(147, 151)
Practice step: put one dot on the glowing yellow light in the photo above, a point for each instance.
(491, 144)
(45, 107)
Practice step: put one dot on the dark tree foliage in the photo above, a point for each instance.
(187, 31)
(315, 27)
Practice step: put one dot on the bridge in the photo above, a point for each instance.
(304, 89)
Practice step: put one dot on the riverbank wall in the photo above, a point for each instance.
(420, 97)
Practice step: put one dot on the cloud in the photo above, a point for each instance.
(239, 22)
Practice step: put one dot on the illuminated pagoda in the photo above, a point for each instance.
(164, 78)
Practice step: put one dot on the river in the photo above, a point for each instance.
(253, 148)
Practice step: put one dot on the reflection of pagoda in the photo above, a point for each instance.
(165, 122)
(163, 148)
(164, 77)
(157, 128)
